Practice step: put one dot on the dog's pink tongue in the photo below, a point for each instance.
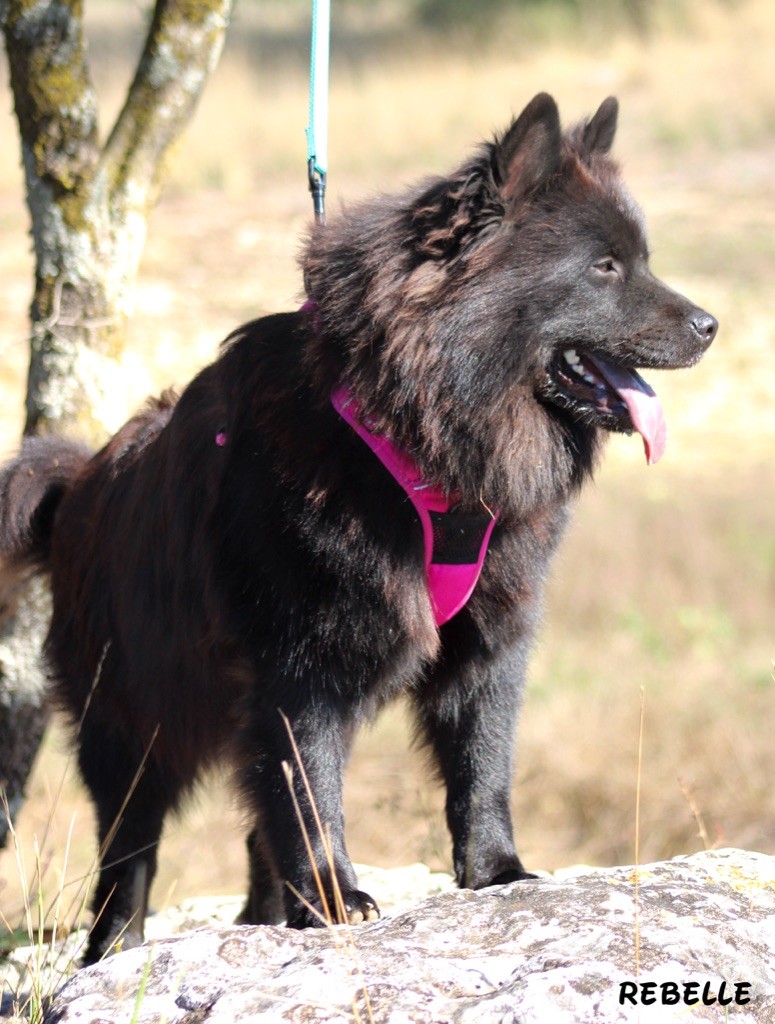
(643, 405)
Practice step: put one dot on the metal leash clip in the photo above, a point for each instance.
(317, 186)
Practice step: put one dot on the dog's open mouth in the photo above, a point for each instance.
(613, 396)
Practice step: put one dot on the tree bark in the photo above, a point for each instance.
(89, 207)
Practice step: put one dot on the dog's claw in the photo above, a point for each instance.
(360, 907)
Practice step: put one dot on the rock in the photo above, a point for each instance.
(398, 888)
(549, 950)
(29, 974)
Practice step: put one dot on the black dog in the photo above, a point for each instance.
(258, 548)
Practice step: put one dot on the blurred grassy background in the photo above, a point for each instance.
(666, 582)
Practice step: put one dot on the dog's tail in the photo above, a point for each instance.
(31, 488)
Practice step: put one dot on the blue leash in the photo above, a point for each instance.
(317, 132)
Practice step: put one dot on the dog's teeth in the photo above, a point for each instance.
(572, 358)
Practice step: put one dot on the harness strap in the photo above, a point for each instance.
(455, 542)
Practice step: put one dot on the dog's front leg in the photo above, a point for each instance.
(293, 774)
(468, 717)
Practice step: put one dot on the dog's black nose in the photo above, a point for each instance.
(705, 326)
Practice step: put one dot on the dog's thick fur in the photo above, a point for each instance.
(201, 588)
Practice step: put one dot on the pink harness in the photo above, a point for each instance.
(455, 542)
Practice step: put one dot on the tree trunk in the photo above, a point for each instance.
(89, 208)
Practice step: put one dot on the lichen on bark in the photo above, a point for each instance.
(89, 205)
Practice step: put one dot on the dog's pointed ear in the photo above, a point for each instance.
(598, 134)
(529, 153)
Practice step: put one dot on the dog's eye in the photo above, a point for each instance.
(608, 268)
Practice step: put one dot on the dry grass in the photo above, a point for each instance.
(666, 581)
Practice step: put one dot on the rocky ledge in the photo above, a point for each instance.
(691, 939)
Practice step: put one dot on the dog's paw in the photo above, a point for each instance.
(116, 940)
(262, 909)
(510, 875)
(358, 907)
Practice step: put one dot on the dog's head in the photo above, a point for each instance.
(586, 245)
(506, 308)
